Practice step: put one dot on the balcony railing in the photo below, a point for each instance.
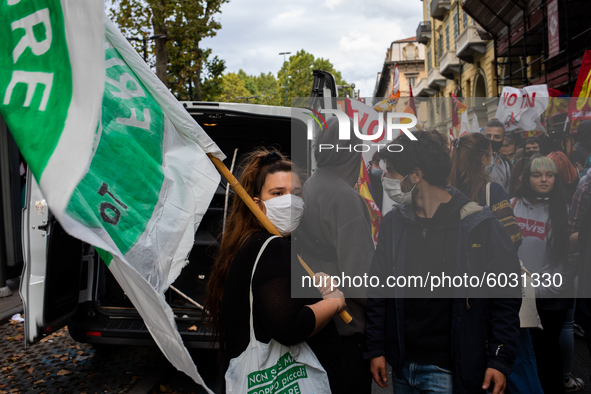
(439, 8)
(422, 89)
(435, 80)
(449, 64)
(424, 32)
(469, 43)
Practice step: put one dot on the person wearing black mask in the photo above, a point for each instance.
(580, 155)
(501, 172)
(532, 146)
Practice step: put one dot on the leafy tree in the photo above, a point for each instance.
(299, 74)
(176, 28)
(268, 88)
(212, 83)
(232, 86)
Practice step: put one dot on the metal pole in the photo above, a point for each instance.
(285, 83)
(285, 74)
(145, 47)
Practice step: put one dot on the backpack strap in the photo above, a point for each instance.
(488, 195)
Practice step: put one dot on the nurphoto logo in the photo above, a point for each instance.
(393, 122)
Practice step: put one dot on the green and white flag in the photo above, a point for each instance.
(120, 162)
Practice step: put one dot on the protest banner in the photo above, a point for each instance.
(521, 109)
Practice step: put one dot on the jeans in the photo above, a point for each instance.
(422, 379)
(567, 343)
(524, 378)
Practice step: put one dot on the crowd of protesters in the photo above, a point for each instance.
(491, 202)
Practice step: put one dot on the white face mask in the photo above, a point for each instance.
(285, 212)
(392, 189)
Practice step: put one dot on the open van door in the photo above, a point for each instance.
(52, 268)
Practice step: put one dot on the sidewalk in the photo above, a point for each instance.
(12, 304)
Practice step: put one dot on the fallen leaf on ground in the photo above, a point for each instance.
(57, 355)
(15, 338)
(80, 352)
(164, 388)
(64, 358)
(63, 372)
(39, 381)
(30, 370)
(7, 369)
(193, 328)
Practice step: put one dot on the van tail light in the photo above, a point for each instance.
(94, 334)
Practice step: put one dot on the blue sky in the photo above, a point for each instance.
(354, 35)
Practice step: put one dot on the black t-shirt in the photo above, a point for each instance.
(430, 249)
(276, 314)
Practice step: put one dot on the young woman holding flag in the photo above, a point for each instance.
(253, 261)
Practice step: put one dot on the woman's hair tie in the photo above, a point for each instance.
(271, 157)
(456, 143)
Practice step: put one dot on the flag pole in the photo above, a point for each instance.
(260, 215)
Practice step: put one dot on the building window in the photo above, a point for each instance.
(447, 37)
(456, 25)
(464, 19)
(428, 10)
(412, 81)
(439, 47)
(429, 60)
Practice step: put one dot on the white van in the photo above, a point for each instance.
(64, 281)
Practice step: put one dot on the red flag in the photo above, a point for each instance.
(580, 104)
(410, 108)
(457, 109)
(411, 101)
(374, 210)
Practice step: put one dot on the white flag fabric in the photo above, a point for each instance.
(121, 163)
(389, 103)
(521, 109)
(475, 127)
(464, 124)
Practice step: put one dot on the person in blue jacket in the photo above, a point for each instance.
(456, 339)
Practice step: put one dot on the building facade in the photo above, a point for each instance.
(535, 41)
(474, 48)
(459, 60)
(409, 55)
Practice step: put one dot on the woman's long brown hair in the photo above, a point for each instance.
(241, 225)
(467, 170)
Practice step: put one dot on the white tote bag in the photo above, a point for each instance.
(274, 368)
